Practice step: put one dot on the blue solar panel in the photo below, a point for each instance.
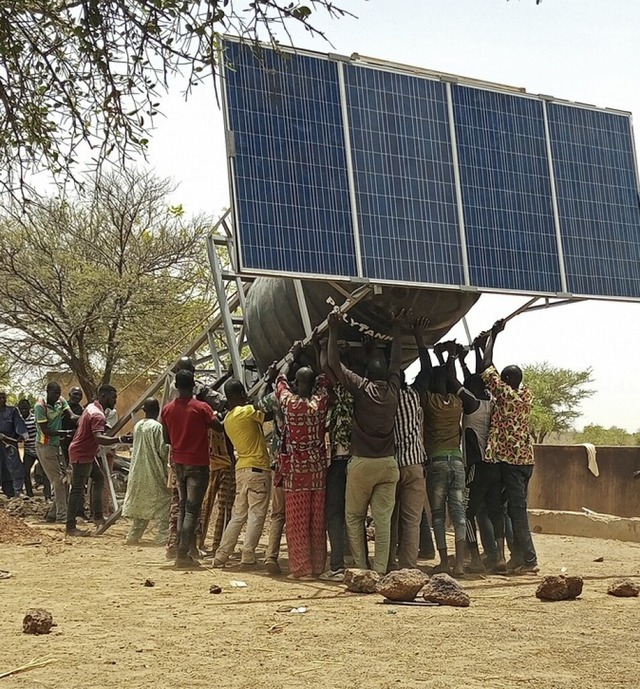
(300, 195)
(597, 199)
(403, 177)
(506, 191)
(291, 187)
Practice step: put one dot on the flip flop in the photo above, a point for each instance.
(4, 574)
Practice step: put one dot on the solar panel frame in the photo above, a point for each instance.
(450, 81)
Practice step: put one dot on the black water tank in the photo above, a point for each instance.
(273, 320)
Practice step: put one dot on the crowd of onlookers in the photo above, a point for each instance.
(60, 442)
(350, 440)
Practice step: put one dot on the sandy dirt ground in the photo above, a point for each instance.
(115, 632)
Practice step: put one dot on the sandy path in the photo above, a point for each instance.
(114, 632)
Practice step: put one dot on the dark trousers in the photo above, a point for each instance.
(426, 538)
(81, 474)
(28, 461)
(515, 479)
(6, 480)
(192, 482)
(334, 508)
(485, 493)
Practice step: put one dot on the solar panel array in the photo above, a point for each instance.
(342, 169)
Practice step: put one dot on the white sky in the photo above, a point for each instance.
(583, 50)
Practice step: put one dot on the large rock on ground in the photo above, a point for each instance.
(559, 588)
(403, 584)
(445, 590)
(361, 580)
(623, 588)
(37, 621)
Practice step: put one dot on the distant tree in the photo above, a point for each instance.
(110, 282)
(5, 375)
(557, 394)
(87, 75)
(599, 435)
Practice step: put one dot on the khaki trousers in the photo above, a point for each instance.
(50, 461)
(253, 489)
(371, 482)
(276, 523)
(411, 493)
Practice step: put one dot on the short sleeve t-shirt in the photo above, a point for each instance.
(243, 425)
(187, 421)
(84, 446)
(374, 409)
(51, 416)
(442, 416)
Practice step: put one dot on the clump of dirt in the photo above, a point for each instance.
(25, 507)
(37, 621)
(15, 532)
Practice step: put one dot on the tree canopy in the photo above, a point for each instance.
(599, 435)
(557, 394)
(105, 283)
(89, 74)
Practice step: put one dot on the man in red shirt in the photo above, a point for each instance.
(82, 457)
(186, 422)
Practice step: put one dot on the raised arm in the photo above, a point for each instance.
(461, 355)
(426, 368)
(450, 366)
(395, 357)
(324, 363)
(487, 359)
(469, 402)
(333, 355)
(478, 354)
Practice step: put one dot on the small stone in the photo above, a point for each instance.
(403, 584)
(623, 588)
(149, 582)
(37, 621)
(361, 580)
(445, 590)
(574, 586)
(554, 588)
(215, 589)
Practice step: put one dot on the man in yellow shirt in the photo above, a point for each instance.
(243, 425)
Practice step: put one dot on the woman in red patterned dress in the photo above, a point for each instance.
(305, 471)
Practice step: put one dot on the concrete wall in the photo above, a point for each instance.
(562, 480)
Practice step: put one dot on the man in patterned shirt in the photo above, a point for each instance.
(510, 444)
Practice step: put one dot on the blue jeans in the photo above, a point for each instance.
(445, 486)
(15, 467)
(192, 484)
